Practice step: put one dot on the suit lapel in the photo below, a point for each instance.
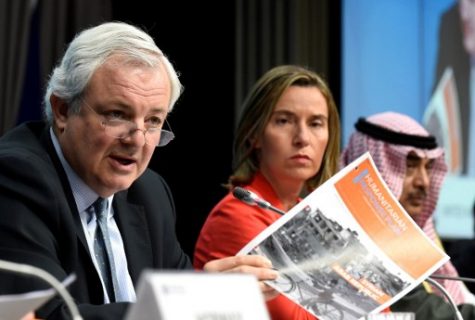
(48, 143)
(84, 267)
(133, 227)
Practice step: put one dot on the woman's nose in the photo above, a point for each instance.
(302, 134)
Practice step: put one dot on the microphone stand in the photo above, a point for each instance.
(48, 278)
(444, 277)
(458, 315)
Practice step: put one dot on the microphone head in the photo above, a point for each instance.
(252, 199)
(243, 195)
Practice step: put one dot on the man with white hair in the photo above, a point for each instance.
(76, 196)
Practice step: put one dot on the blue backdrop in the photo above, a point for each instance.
(389, 51)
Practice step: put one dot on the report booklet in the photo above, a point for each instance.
(348, 249)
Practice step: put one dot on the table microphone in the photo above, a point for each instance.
(252, 199)
(445, 277)
(453, 305)
(48, 278)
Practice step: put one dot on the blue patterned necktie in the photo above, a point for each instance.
(103, 249)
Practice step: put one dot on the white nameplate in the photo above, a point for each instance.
(198, 296)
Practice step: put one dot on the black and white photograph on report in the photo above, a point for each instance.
(316, 256)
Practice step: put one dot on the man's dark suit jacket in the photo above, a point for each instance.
(40, 225)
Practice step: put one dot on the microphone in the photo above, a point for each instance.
(431, 280)
(48, 278)
(445, 277)
(252, 199)
(458, 315)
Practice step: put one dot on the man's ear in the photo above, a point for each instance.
(60, 110)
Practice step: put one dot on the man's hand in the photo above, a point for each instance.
(29, 316)
(258, 266)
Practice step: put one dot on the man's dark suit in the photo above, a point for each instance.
(40, 224)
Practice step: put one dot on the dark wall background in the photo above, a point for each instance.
(198, 161)
(221, 48)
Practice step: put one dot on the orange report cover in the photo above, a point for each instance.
(348, 249)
